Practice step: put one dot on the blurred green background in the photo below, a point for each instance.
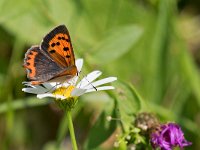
(151, 44)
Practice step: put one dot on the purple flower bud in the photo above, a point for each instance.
(168, 136)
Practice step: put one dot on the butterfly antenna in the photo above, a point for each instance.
(87, 80)
(51, 87)
(67, 86)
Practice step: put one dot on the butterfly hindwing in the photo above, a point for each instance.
(57, 44)
(39, 67)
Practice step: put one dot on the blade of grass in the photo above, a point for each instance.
(188, 69)
(9, 87)
(23, 103)
(157, 56)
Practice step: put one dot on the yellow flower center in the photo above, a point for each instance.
(64, 91)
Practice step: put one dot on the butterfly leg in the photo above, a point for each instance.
(52, 88)
(87, 81)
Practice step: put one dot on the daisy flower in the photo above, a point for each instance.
(70, 89)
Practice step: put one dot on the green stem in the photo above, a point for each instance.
(71, 129)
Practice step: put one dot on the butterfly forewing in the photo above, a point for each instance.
(57, 44)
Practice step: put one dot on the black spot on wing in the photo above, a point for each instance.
(67, 56)
(53, 44)
(51, 35)
(45, 46)
(52, 51)
(66, 48)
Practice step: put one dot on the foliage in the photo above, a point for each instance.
(143, 43)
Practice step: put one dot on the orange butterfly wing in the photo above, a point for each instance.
(57, 44)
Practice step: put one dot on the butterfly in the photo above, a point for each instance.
(53, 60)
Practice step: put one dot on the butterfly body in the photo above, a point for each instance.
(53, 60)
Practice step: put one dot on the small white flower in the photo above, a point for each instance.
(71, 88)
(116, 144)
(109, 118)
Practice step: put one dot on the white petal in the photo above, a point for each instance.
(75, 79)
(89, 78)
(50, 95)
(45, 85)
(31, 90)
(41, 88)
(79, 64)
(100, 89)
(71, 82)
(45, 95)
(77, 92)
(100, 82)
(60, 97)
(35, 89)
(49, 85)
(66, 84)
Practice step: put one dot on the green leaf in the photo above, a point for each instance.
(129, 103)
(35, 18)
(8, 12)
(116, 43)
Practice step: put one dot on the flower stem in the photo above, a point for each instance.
(71, 130)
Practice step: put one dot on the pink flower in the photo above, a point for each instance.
(168, 136)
